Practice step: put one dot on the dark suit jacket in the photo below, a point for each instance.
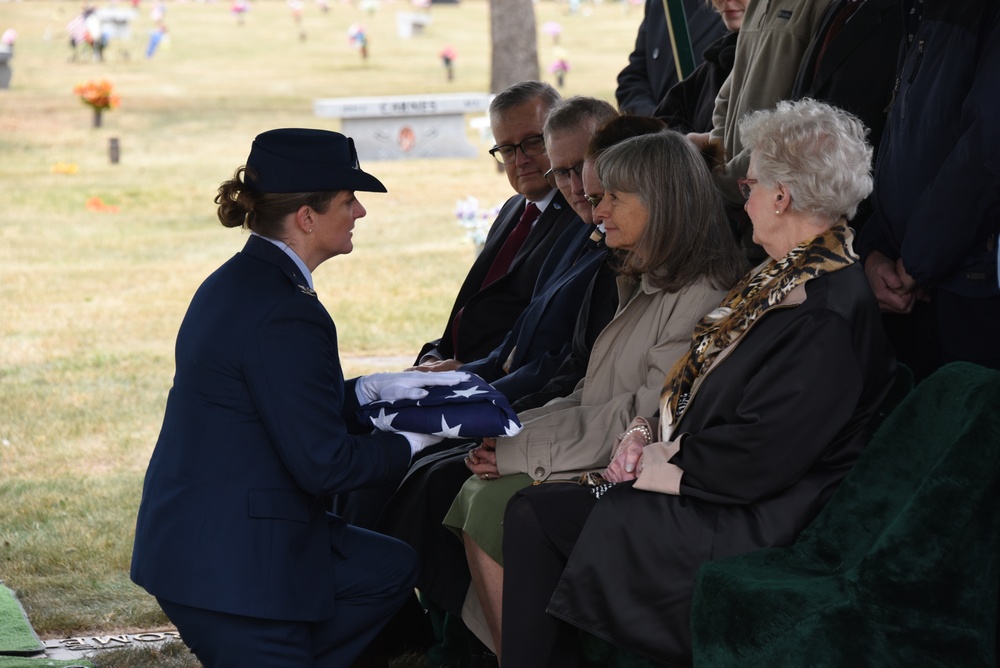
(489, 313)
(688, 106)
(600, 303)
(543, 334)
(858, 70)
(651, 70)
(256, 436)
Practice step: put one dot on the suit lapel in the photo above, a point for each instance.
(544, 226)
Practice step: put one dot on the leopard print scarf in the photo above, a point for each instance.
(760, 290)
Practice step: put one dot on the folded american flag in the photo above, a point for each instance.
(470, 409)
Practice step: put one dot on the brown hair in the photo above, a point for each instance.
(687, 237)
(619, 128)
(263, 213)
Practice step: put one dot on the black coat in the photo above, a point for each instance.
(772, 431)
(858, 70)
(259, 431)
(688, 106)
(651, 70)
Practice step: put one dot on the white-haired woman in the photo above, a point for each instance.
(759, 421)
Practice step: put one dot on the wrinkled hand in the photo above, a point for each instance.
(437, 366)
(419, 441)
(482, 460)
(403, 385)
(890, 288)
(627, 463)
(919, 292)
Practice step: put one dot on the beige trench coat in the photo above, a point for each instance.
(628, 363)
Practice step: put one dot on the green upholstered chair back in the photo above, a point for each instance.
(900, 568)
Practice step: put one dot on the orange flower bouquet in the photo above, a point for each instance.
(98, 94)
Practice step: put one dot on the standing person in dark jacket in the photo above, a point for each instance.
(233, 536)
(851, 64)
(689, 104)
(651, 69)
(930, 243)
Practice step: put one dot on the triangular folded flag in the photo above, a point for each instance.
(470, 409)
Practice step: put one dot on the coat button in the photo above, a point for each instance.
(656, 53)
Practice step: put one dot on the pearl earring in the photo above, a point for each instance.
(777, 211)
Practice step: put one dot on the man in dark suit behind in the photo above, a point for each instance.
(851, 64)
(651, 69)
(493, 295)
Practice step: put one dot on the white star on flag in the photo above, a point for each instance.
(448, 432)
(470, 392)
(382, 421)
(512, 428)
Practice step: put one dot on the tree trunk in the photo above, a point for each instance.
(515, 43)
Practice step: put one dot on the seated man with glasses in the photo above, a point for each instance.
(542, 336)
(501, 280)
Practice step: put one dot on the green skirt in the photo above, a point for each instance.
(478, 510)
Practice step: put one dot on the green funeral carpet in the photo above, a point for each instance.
(18, 639)
(26, 662)
(16, 634)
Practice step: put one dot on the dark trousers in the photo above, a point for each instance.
(374, 577)
(414, 515)
(949, 328)
(541, 526)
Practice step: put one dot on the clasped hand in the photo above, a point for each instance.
(893, 287)
(627, 462)
(482, 460)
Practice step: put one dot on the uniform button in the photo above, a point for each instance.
(539, 472)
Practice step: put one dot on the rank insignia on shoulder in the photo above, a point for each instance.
(306, 289)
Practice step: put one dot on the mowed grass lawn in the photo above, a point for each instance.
(90, 300)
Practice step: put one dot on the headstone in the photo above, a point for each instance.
(409, 24)
(406, 126)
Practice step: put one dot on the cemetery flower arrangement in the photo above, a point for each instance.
(475, 220)
(97, 93)
(559, 66)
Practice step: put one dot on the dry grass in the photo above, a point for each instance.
(91, 301)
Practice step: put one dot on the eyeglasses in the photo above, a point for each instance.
(594, 199)
(504, 154)
(744, 184)
(560, 176)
